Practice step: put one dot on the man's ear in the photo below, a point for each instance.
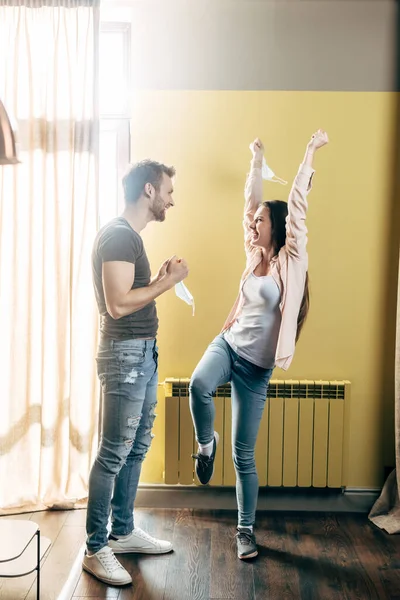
(148, 190)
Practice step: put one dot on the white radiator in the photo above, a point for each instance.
(301, 441)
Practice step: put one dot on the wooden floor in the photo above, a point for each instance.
(302, 556)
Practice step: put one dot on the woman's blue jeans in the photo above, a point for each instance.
(249, 383)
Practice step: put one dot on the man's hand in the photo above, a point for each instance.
(318, 139)
(257, 148)
(162, 271)
(118, 277)
(177, 270)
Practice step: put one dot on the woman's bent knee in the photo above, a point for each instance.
(199, 385)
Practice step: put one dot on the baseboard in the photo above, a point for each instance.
(274, 499)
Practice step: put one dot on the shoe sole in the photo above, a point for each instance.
(104, 579)
(252, 555)
(144, 551)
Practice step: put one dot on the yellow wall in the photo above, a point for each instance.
(206, 136)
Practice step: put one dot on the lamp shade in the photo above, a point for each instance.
(8, 153)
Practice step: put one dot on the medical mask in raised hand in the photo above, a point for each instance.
(268, 174)
(183, 293)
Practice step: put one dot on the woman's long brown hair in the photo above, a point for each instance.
(278, 212)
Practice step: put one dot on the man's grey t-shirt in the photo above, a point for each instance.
(117, 241)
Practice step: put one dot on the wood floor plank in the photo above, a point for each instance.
(158, 522)
(274, 571)
(331, 567)
(51, 522)
(149, 575)
(389, 560)
(16, 589)
(302, 556)
(90, 587)
(356, 581)
(230, 576)
(189, 566)
(149, 572)
(76, 517)
(379, 559)
(319, 574)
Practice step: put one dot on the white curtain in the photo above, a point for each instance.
(48, 220)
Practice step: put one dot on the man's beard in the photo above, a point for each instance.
(158, 209)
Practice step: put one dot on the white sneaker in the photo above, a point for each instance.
(139, 541)
(106, 567)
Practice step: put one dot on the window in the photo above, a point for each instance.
(114, 77)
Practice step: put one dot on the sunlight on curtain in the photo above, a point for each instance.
(48, 220)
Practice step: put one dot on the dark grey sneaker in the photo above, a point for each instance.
(205, 464)
(246, 543)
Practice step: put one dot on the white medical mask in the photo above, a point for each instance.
(268, 174)
(183, 293)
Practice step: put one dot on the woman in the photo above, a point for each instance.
(261, 331)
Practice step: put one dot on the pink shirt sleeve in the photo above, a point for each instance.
(253, 198)
(296, 230)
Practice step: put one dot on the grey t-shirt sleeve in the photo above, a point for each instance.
(121, 245)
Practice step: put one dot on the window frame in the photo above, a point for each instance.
(119, 122)
(125, 30)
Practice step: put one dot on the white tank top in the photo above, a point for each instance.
(254, 334)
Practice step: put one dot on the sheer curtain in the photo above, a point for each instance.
(48, 220)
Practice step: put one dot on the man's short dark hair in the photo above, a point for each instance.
(145, 171)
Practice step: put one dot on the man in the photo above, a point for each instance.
(127, 368)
